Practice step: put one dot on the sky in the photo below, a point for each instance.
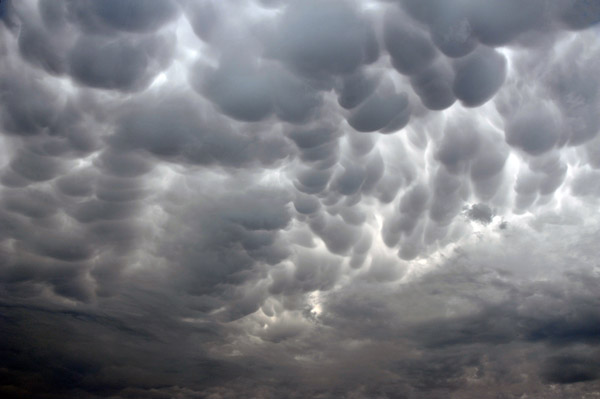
(381, 199)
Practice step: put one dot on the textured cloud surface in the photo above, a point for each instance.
(299, 199)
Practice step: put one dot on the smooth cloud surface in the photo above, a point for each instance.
(303, 199)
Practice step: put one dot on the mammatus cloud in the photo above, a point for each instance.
(303, 199)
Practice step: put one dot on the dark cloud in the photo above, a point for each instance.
(534, 129)
(447, 198)
(451, 30)
(44, 47)
(174, 126)
(36, 167)
(303, 199)
(478, 76)
(355, 88)
(124, 64)
(203, 16)
(580, 14)
(134, 15)
(31, 202)
(409, 47)
(459, 145)
(29, 105)
(565, 369)
(381, 112)
(498, 22)
(433, 85)
(129, 15)
(481, 213)
(324, 39)
(248, 93)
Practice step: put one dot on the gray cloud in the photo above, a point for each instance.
(131, 15)
(534, 129)
(381, 112)
(478, 76)
(250, 94)
(269, 198)
(481, 213)
(580, 14)
(326, 39)
(433, 86)
(123, 64)
(410, 49)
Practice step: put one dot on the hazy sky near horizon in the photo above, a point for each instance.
(299, 199)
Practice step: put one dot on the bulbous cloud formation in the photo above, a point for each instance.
(303, 199)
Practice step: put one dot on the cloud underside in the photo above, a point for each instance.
(303, 199)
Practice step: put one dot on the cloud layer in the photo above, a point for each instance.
(303, 199)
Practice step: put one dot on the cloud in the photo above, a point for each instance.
(580, 14)
(331, 38)
(409, 48)
(130, 15)
(481, 213)
(123, 64)
(270, 198)
(381, 112)
(433, 86)
(478, 76)
(248, 93)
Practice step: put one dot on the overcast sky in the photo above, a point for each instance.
(299, 199)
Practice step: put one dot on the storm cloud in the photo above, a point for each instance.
(299, 199)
